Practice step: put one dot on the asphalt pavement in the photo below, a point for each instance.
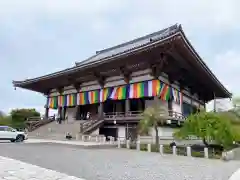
(118, 164)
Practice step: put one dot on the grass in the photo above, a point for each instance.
(181, 150)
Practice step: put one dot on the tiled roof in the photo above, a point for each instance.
(131, 45)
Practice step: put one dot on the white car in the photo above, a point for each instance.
(8, 133)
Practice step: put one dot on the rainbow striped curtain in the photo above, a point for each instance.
(176, 95)
(61, 101)
(67, 100)
(119, 93)
(71, 100)
(144, 89)
(104, 94)
(93, 96)
(165, 92)
(52, 102)
(82, 98)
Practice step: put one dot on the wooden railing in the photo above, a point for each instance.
(35, 122)
(90, 125)
(131, 115)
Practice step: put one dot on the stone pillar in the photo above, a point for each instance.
(100, 113)
(46, 112)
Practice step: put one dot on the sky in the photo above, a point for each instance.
(42, 36)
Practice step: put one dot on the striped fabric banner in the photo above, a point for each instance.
(71, 100)
(176, 95)
(82, 98)
(52, 102)
(154, 87)
(165, 93)
(119, 93)
(61, 101)
(144, 89)
(138, 90)
(104, 94)
(93, 97)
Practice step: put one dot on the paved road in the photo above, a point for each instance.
(118, 164)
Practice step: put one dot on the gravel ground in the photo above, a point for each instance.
(12, 169)
(118, 164)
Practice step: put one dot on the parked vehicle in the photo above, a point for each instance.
(8, 133)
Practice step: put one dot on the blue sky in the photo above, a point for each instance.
(41, 36)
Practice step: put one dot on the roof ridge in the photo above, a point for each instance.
(175, 26)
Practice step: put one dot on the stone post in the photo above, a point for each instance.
(149, 147)
(128, 144)
(77, 137)
(189, 153)
(174, 148)
(138, 146)
(206, 152)
(119, 143)
(161, 149)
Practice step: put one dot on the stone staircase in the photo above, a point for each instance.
(56, 131)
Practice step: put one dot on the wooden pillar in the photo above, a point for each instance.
(170, 101)
(78, 107)
(100, 113)
(181, 98)
(127, 106)
(214, 103)
(60, 91)
(191, 103)
(46, 112)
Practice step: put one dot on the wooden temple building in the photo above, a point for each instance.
(116, 84)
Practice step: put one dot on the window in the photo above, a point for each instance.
(3, 128)
(10, 129)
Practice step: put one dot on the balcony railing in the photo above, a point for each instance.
(136, 115)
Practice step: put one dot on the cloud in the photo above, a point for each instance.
(41, 36)
(227, 65)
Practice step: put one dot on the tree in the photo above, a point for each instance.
(153, 117)
(19, 116)
(5, 120)
(210, 127)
